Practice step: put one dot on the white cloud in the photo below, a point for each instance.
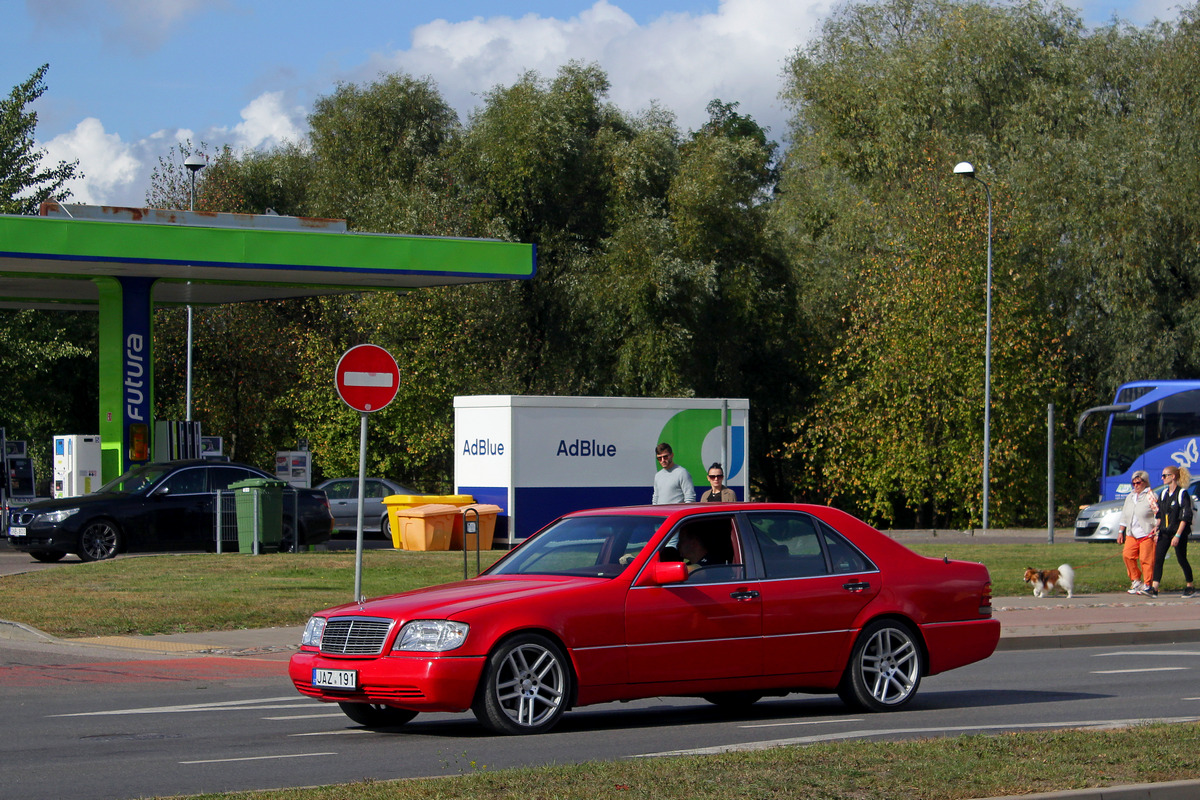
(265, 123)
(681, 60)
(118, 173)
(109, 165)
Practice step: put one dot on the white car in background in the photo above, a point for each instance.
(343, 501)
(1100, 522)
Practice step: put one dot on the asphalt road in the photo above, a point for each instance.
(91, 723)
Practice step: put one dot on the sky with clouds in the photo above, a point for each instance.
(130, 78)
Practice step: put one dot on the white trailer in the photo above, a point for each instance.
(541, 457)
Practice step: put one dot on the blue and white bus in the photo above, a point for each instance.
(1151, 425)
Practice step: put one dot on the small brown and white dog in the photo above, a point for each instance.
(1044, 581)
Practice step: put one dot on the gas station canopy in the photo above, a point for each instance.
(123, 262)
(200, 258)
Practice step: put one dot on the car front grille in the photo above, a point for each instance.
(21, 518)
(355, 636)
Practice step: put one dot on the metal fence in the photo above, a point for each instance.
(225, 524)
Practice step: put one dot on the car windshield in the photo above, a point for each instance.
(600, 546)
(136, 480)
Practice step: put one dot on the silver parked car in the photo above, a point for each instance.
(343, 501)
(1100, 522)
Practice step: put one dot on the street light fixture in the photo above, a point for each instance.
(965, 169)
(195, 162)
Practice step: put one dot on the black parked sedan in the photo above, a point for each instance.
(156, 507)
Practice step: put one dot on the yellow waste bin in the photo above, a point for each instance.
(487, 527)
(396, 503)
(425, 527)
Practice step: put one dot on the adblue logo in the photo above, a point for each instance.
(586, 448)
(695, 437)
(482, 447)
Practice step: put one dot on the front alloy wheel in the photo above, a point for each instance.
(99, 539)
(525, 688)
(884, 670)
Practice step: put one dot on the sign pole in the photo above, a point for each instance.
(366, 379)
(362, 484)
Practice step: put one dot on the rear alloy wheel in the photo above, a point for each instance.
(99, 539)
(46, 556)
(884, 670)
(376, 715)
(525, 688)
(385, 527)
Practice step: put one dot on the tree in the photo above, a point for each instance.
(24, 185)
(39, 351)
(371, 145)
(895, 431)
(889, 86)
(218, 187)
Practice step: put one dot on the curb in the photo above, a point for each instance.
(19, 631)
(1054, 641)
(1171, 790)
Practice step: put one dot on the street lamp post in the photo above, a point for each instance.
(965, 169)
(195, 162)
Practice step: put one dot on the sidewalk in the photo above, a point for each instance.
(1095, 620)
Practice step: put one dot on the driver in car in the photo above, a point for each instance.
(693, 550)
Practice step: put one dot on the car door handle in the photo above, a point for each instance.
(856, 586)
(744, 594)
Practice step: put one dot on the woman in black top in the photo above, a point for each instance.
(717, 491)
(1174, 525)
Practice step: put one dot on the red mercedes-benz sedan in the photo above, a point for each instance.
(729, 602)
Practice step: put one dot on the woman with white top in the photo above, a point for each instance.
(1136, 532)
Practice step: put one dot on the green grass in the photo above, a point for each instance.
(934, 769)
(1098, 567)
(208, 592)
(202, 592)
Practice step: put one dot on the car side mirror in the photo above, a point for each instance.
(160, 491)
(668, 572)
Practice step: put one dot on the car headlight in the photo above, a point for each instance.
(56, 516)
(1109, 520)
(431, 635)
(313, 632)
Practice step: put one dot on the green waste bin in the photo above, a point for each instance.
(259, 508)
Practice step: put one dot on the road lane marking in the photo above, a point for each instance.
(873, 732)
(1141, 653)
(337, 714)
(805, 722)
(333, 733)
(1135, 669)
(256, 758)
(228, 705)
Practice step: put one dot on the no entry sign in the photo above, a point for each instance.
(367, 377)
